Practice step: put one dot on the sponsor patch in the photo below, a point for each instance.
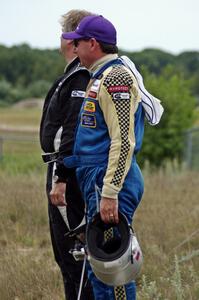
(88, 120)
(117, 96)
(118, 88)
(95, 86)
(89, 106)
(78, 94)
(92, 94)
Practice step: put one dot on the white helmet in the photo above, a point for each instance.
(113, 251)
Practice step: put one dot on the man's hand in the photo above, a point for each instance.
(57, 194)
(109, 210)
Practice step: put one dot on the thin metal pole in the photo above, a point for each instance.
(82, 278)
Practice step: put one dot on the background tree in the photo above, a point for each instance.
(167, 143)
(27, 72)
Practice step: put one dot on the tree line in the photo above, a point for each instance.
(27, 72)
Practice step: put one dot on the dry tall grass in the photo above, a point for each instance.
(167, 225)
(27, 268)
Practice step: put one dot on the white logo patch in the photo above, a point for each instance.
(117, 96)
(78, 94)
(95, 86)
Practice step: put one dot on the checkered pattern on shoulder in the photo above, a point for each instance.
(120, 293)
(118, 76)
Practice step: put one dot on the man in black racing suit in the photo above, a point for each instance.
(59, 118)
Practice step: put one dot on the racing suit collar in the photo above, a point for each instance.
(100, 62)
(71, 64)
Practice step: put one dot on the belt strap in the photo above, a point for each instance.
(50, 157)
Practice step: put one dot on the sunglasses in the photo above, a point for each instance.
(76, 42)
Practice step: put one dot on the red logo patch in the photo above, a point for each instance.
(92, 94)
(118, 88)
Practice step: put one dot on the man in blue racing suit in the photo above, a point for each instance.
(109, 134)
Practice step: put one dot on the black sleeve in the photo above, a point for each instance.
(45, 114)
(71, 105)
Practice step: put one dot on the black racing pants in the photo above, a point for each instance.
(70, 268)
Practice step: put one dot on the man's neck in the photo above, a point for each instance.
(101, 61)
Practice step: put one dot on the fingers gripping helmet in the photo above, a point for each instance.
(113, 251)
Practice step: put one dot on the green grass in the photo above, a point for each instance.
(27, 268)
(21, 151)
(20, 116)
(166, 223)
(21, 156)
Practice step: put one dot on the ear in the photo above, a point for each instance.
(94, 44)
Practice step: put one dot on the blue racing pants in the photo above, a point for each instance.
(128, 200)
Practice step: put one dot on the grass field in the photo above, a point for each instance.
(167, 225)
(20, 116)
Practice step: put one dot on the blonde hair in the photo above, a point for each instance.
(71, 19)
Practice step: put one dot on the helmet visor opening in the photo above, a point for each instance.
(107, 241)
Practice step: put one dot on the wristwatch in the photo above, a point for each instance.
(57, 179)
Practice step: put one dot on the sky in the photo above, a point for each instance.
(169, 25)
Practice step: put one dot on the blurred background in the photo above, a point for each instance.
(161, 37)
